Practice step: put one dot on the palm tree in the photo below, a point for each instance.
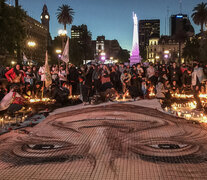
(65, 15)
(180, 37)
(200, 15)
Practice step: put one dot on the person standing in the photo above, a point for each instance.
(62, 75)
(41, 72)
(151, 74)
(196, 83)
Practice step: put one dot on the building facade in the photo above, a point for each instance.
(77, 32)
(180, 23)
(39, 34)
(147, 28)
(105, 49)
(163, 49)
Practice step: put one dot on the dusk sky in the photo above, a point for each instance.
(112, 18)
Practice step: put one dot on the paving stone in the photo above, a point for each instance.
(110, 142)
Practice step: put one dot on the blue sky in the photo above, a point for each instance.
(112, 18)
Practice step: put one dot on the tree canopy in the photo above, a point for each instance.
(65, 15)
(200, 15)
(12, 29)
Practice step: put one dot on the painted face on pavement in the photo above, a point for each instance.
(108, 142)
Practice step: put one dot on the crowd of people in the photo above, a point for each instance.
(140, 80)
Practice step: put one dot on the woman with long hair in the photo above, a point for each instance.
(15, 75)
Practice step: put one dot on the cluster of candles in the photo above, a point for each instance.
(41, 100)
(200, 117)
(74, 97)
(8, 120)
(151, 92)
(185, 109)
(188, 96)
(124, 97)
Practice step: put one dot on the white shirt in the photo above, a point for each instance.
(42, 70)
(62, 75)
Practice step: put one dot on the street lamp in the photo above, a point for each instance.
(13, 63)
(62, 32)
(166, 51)
(157, 57)
(103, 56)
(58, 51)
(31, 45)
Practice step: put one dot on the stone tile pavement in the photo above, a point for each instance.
(106, 142)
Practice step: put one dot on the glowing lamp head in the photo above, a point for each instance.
(31, 44)
(62, 32)
(166, 51)
(58, 51)
(103, 54)
(166, 56)
(13, 62)
(103, 58)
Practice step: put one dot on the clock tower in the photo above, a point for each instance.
(45, 17)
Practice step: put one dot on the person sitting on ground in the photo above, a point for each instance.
(29, 76)
(69, 87)
(15, 75)
(160, 89)
(175, 88)
(37, 90)
(186, 79)
(125, 80)
(3, 90)
(17, 101)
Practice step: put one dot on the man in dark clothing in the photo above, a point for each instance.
(73, 78)
(175, 73)
(186, 79)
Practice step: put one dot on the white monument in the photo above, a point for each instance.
(135, 57)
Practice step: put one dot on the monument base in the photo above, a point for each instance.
(135, 60)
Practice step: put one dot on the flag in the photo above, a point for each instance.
(65, 55)
(48, 78)
(24, 58)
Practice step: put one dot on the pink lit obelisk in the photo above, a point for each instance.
(135, 57)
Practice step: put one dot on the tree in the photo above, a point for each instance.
(12, 30)
(76, 53)
(200, 15)
(123, 55)
(203, 50)
(65, 15)
(86, 43)
(180, 37)
(143, 54)
(191, 51)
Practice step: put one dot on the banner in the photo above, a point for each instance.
(48, 78)
(24, 59)
(65, 55)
